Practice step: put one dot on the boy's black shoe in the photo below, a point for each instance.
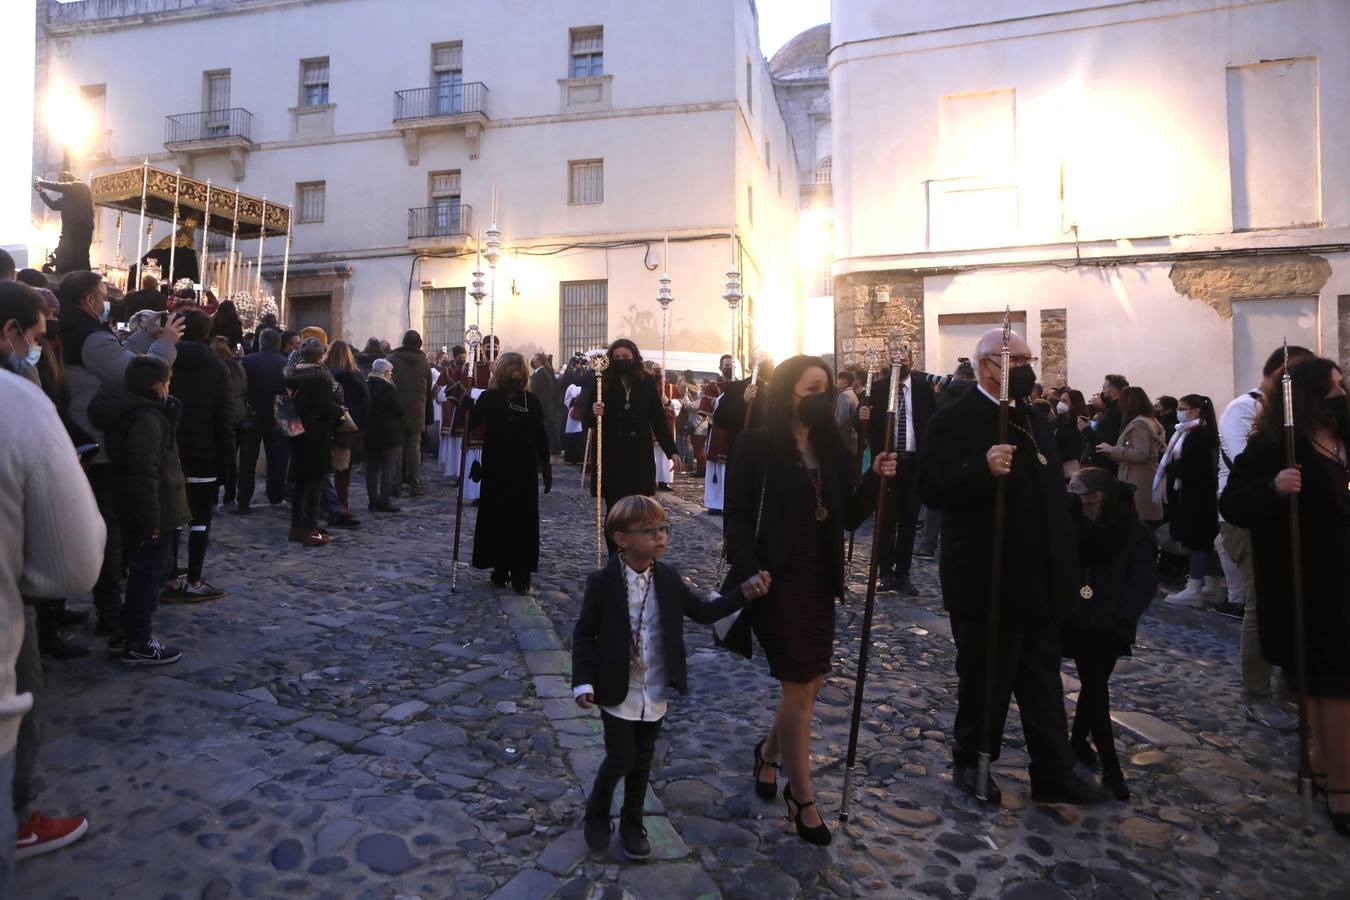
(151, 653)
(967, 779)
(1069, 789)
(597, 833)
(634, 836)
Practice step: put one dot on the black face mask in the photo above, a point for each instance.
(1340, 408)
(1021, 380)
(816, 411)
(728, 372)
(623, 366)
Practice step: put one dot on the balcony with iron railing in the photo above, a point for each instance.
(212, 126)
(446, 101)
(441, 227)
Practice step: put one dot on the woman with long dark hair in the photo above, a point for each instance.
(1069, 438)
(1257, 497)
(236, 390)
(1137, 451)
(792, 492)
(634, 416)
(1118, 570)
(313, 392)
(227, 324)
(515, 458)
(347, 444)
(1188, 482)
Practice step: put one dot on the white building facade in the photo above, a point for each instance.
(604, 127)
(1157, 188)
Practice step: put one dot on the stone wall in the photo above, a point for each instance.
(862, 325)
(1054, 350)
(1343, 331)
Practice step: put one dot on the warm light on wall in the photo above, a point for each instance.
(67, 117)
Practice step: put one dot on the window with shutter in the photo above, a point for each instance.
(309, 201)
(444, 200)
(447, 77)
(314, 82)
(442, 318)
(586, 181)
(587, 52)
(583, 317)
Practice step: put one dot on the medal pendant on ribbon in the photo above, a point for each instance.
(628, 406)
(1040, 458)
(822, 514)
(1086, 592)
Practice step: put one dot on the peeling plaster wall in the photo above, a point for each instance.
(861, 325)
(1218, 282)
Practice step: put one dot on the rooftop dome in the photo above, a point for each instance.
(804, 56)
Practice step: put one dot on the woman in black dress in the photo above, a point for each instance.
(791, 494)
(1257, 497)
(634, 419)
(1117, 565)
(515, 457)
(1189, 472)
(314, 393)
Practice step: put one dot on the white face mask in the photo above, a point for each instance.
(1062, 408)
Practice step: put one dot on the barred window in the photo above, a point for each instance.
(586, 181)
(442, 318)
(583, 317)
(587, 52)
(446, 211)
(314, 82)
(309, 198)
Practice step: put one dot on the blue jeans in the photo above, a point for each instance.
(1204, 562)
(331, 507)
(147, 568)
(9, 826)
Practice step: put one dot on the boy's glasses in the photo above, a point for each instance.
(651, 533)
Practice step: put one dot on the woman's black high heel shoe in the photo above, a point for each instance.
(766, 790)
(819, 834)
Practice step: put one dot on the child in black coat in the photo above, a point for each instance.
(627, 649)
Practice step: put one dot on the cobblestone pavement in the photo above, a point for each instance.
(342, 726)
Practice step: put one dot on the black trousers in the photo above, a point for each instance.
(1027, 667)
(1093, 715)
(201, 497)
(108, 589)
(629, 748)
(305, 503)
(897, 528)
(278, 449)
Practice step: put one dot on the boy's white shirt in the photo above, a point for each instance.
(646, 700)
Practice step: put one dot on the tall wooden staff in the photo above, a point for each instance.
(872, 572)
(995, 574)
(472, 337)
(598, 364)
(871, 359)
(1305, 782)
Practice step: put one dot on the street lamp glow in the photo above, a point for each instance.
(68, 119)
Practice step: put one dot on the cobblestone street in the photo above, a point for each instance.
(342, 726)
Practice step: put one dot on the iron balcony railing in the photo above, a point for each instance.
(440, 100)
(209, 125)
(439, 221)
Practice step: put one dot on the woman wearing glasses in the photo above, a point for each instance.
(515, 456)
(791, 493)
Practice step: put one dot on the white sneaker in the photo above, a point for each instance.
(1193, 595)
(1271, 715)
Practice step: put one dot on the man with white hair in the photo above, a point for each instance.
(959, 465)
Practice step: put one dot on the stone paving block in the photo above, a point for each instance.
(1153, 729)
(549, 662)
(552, 686)
(327, 621)
(198, 693)
(669, 881)
(338, 732)
(271, 712)
(385, 745)
(528, 884)
(564, 852)
(538, 639)
(259, 693)
(236, 784)
(404, 711)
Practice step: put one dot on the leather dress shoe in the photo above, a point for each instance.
(1071, 788)
(967, 778)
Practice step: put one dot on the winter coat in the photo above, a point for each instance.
(205, 432)
(93, 356)
(412, 377)
(266, 374)
(1250, 501)
(139, 436)
(515, 454)
(1137, 452)
(384, 418)
(1193, 511)
(311, 388)
(1119, 561)
(356, 398)
(629, 465)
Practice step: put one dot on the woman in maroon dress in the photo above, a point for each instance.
(791, 494)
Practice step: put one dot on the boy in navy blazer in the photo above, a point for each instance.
(627, 650)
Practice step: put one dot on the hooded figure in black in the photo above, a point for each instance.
(515, 457)
(1119, 573)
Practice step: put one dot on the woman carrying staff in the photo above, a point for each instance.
(791, 495)
(515, 457)
(634, 416)
(1257, 497)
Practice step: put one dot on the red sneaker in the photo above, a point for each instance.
(43, 834)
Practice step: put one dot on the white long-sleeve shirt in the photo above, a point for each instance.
(646, 700)
(1235, 428)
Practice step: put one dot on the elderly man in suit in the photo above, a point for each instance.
(959, 466)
